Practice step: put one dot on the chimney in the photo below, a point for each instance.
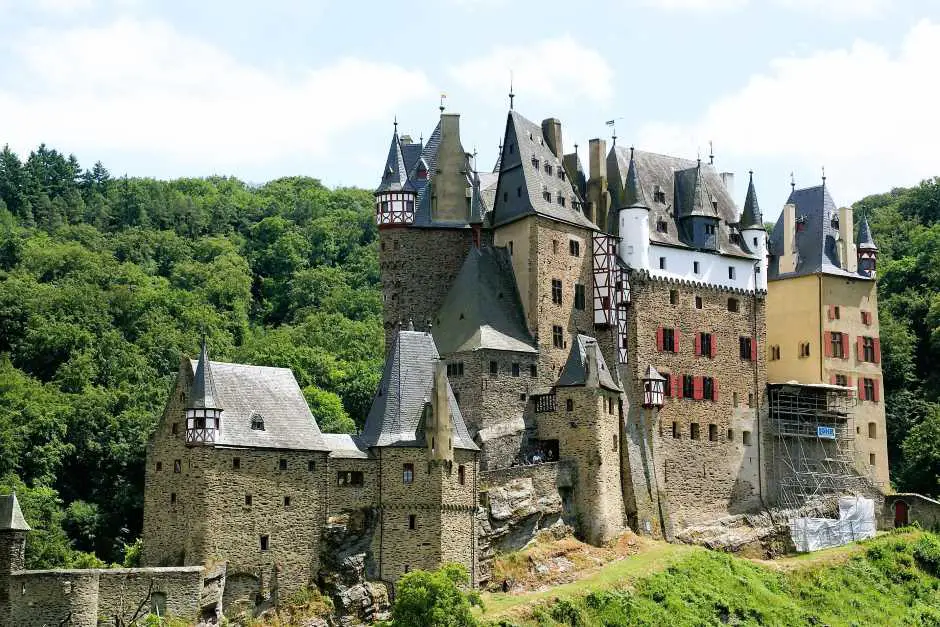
(788, 254)
(439, 433)
(847, 240)
(591, 374)
(728, 179)
(551, 130)
(449, 192)
(598, 199)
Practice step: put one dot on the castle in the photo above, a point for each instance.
(617, 348)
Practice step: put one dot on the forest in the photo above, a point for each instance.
(106, 283)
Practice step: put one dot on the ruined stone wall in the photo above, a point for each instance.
(589, 437)
(171, 591)
(715, 473)
(49, 597)
(174, 488)
(292, 528)
(418, 266)
(921, 510)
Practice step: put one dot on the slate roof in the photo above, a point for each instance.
(575, 372)
(345, 446)
(395, 175)
(202, 394)
(244, 390)
(865, 240)
(517, 172)
(817, 242)
(483, 309)
(407, 381)
(11, 517)
(690, 188)
(751, 217)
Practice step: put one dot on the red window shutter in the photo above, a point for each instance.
(861, 389)
(714, 346)
(698, 344)
(678, 388)
(860, 348)
(877, 350)
(697, 388)
(827, 343)
(875, 390)
(832, 379)
(845, 346)
(715, 389)
(675, 340)
(659, 339)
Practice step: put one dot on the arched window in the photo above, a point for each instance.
(257, 422)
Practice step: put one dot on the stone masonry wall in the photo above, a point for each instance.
(339, 498)
(121, 592)
(418, 266)
(12, 556)
(716, 472)
(49, 597)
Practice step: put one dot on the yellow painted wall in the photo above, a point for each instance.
(793, 316)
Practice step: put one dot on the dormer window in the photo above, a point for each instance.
(548, 169)
(547, 195)
(535, 163)
(561, 173)
(710, 229)
(659, 195)
(561, 200)
(422, 172)
(662, 226)
(257, 422)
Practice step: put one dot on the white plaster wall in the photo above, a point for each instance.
(713, 268)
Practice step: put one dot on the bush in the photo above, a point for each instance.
(927, 554)
(435, 599)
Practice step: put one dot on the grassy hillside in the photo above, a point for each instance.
(891, 580)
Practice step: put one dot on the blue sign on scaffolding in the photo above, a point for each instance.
(828, 433)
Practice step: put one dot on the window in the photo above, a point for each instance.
(868, 349)
(616, 444)
(731, 272)
(461, 474)
(662, 263)
(569, 405)
(804, 349)
(775, 352)
(175, 428)
(248, 500)
(408, 473)
(236, 463)
(709, 391)
(673, 297)
(535, 163)
(494, 367)
(556, 291)
(746, 348)
(659, 195)
(547, 196)
(561, 200)
(731, 435)
(868, 388)
(412, 521)
(264, 543)
(694, 431)
(395, 244)
(548, 168)
(172, 498)
(515, 369)
(866, 318)
(282, 464)
(555, 246)
(842, 380)
(675, 430)
(712, 433)
(695, 267)
(746, 438)
(688, 386)
(311, 465)
(705, 344)
(159, 466)
(455, 369)
(836, 312)
(286, 501)
(668, 342)
(257, 422)
(579, 296)
(698, 302)
(662, 226)
(574, 247)
(750, 399)
(558, 337)
(533, 370)
(710, 228)
(733, 305)
(872, 430)
(835, 344)
(177, 466)
(346, 478)
(871, 459)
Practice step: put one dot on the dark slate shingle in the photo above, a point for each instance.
(575, 372)
(11, 517)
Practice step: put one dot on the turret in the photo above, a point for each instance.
(867, 250)
(395, 195)
(753, 235)
(633, 224)
(204, 410)
(13, 530)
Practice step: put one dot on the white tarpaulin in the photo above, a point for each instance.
(856, 522)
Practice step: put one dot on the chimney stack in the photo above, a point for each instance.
(591, 378)
(597, 197)
(551, 130)
(847, 240)
(788, 254)
(728, 179)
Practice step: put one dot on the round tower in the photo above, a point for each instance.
(753, 235)
(634, 222)
(204, 411)
(13, 530)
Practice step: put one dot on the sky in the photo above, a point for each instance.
(259, 90)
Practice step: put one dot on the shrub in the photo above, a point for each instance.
(927, 554)
(435, 599)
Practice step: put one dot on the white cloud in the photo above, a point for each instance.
(143, 87)
(833, 9)
(551, 70)
(694, 5)
(868, 115)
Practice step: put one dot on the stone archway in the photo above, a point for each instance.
(901, 511)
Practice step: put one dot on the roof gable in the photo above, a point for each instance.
(586, 366)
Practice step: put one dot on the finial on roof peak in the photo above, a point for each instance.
(441, 107)
(711, 153)
(411, 324)
(395, 124)
(792, 182)
(750, 174)
(631, 153)
(824, 176)
(512, 96)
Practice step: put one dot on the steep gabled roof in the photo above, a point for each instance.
(11, 517)
(202, 394)
(523, 184)
(751, 217)
(244, 391)
(693, 197)
(395, 174)
(483, 309)
(584, 359)
(406, 385)
(817, 239)
(865, 240)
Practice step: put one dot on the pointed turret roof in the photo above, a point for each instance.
(202, 395)
(11, 517)
(585, 362)
(632, 191)
(865, 240)
(693, 195)
(395, 175)
(751, 217)
(405, 387)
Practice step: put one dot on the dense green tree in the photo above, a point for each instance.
(440, 598)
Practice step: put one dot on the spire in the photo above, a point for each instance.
(394, 176)
(512, 96)
(792, 182)
(751, 217)
(632, 192)
(203, 394)
(11, 517)
(865, 240)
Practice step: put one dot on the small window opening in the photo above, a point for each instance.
(236, 463)
(569, 405)
(673, 297)
(494, 367)
(675, 430)
(248, 499)
(746, 438)
(159, 466)
(461, 474)
(264, 543)
(286, 501)
(408, 473)
(177, 466)
(712, 433)
(257, 421)
(412, 521)
(172, 498)
(698, 302)
(311, 465)
(694, 431)
(282, 464)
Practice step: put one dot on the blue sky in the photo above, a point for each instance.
(260, 90)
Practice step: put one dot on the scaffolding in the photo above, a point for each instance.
(813, 442)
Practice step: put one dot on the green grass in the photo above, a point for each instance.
(890, 580)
